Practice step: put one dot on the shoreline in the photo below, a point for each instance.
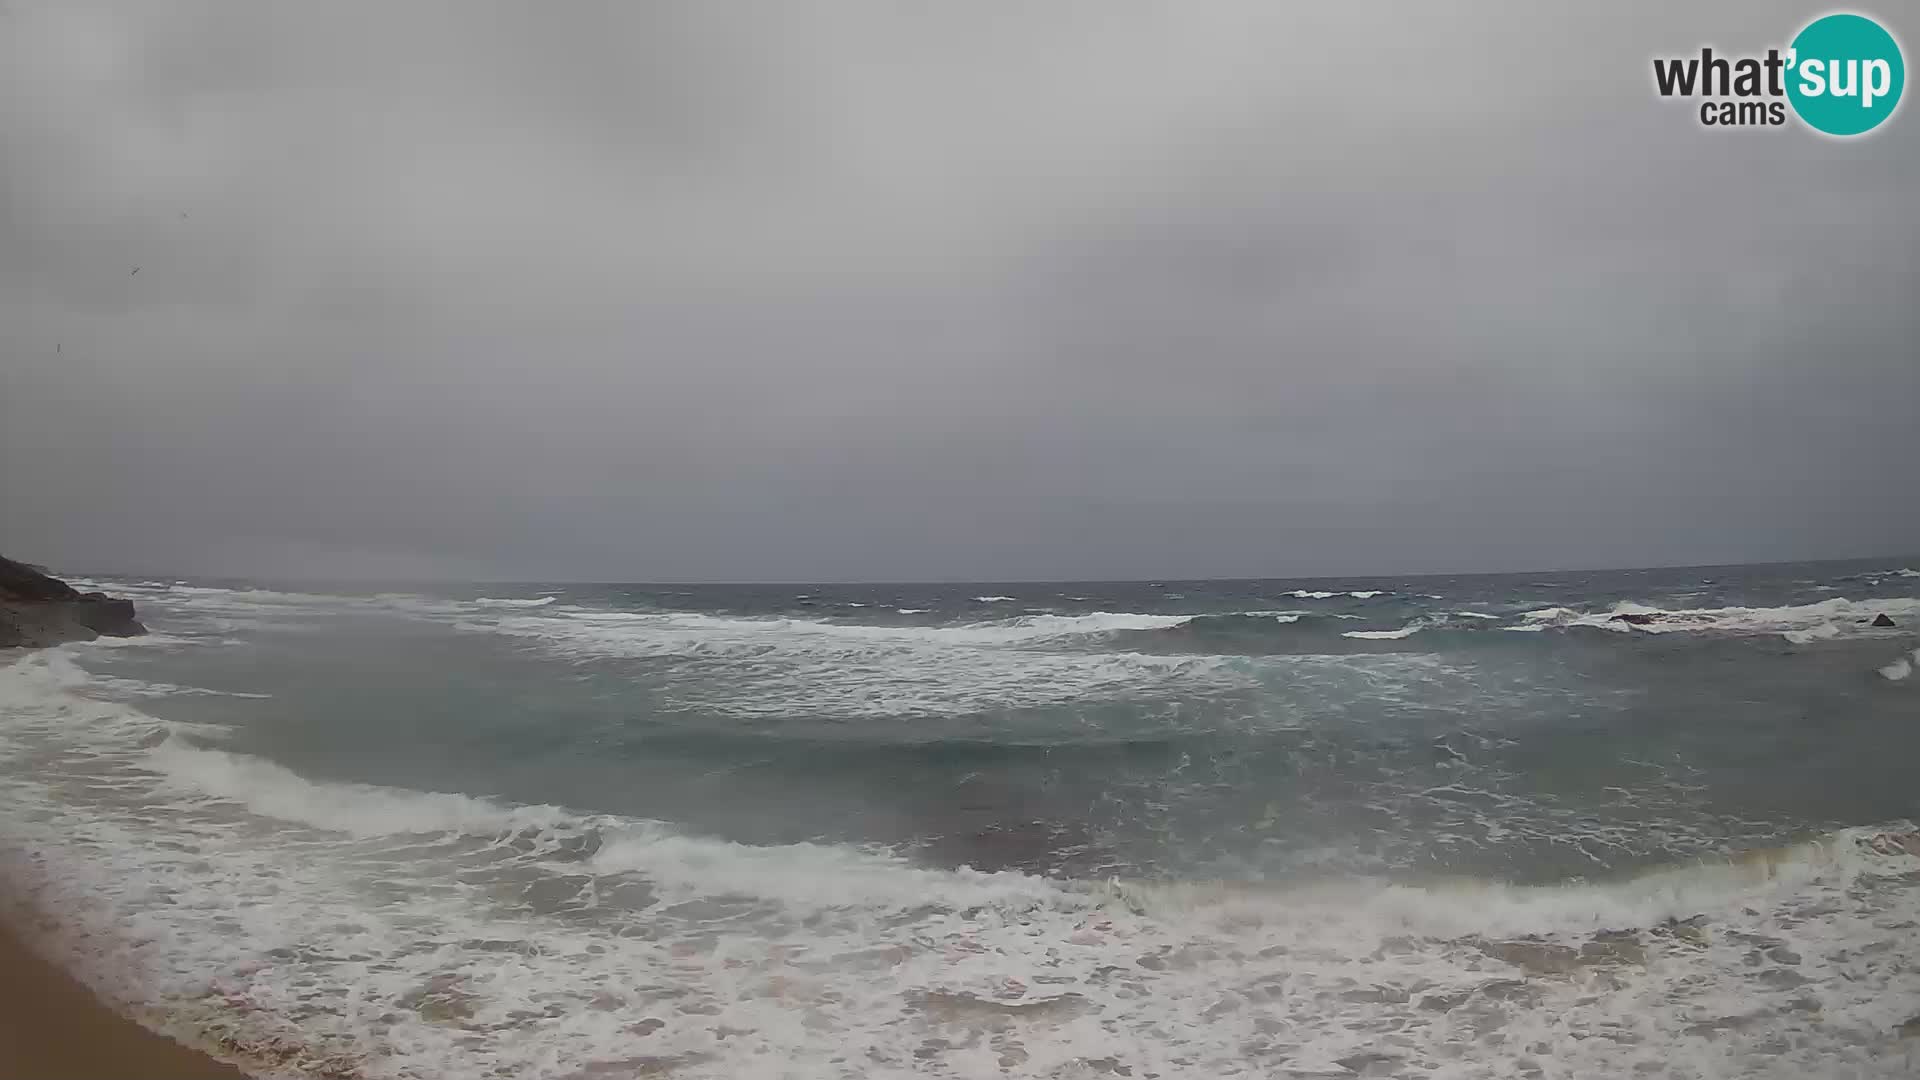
(52, 1027)
(244, 937)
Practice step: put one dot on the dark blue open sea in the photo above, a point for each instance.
(1435, 827)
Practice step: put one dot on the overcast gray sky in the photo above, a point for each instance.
(905, 291)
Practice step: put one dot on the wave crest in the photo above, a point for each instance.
(1802, 623)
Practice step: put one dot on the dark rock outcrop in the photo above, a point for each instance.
(1636, 618)
(38, 610)
(1882, 619)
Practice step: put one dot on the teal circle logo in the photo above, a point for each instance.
(1845, 74)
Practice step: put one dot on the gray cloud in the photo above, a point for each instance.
(870, 291)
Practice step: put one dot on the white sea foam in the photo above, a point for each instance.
(259, 596)
(763, 667)
(1366, 594)
(1899, 669)
(255, 608)
(145, 688)
(1475, 615)
(155, 641)
(1838, 617)
(390, 933)
(804, 877)
(1311, 594)
(1406, 631)
(356, 809)
(538, 601)
(994, 599)
(758, 633)
(84, 584)
(1817, 632)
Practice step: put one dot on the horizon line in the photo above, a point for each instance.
(841, 583)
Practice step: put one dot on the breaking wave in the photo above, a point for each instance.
(1838, 617)
(1406, 631)
(365, 930)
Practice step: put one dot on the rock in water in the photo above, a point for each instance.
(38, 610)
(1882, 619)
(1636, 618)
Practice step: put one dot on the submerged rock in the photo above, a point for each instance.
(38, 610)
(1882, 619)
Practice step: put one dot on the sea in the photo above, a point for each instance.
(1644, 823)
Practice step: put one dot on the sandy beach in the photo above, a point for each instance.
(53, 1028)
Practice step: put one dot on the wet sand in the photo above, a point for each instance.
(53, 1028)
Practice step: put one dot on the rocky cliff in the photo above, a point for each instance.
(37, 610)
